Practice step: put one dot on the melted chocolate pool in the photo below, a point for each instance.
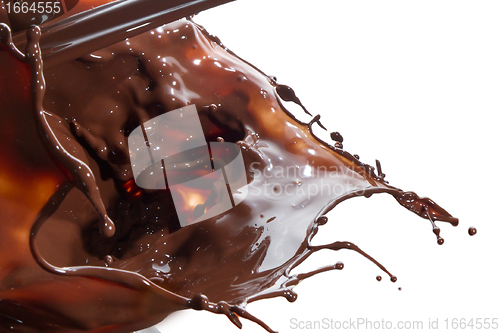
(91, 251)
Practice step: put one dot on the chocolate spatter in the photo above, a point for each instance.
(379, 278)
(379, 169)
(335, 136)
(287, 94)
(436, 230)
(472, 231)
(322, 220)
(117, 249)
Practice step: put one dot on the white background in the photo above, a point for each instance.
(415, 84)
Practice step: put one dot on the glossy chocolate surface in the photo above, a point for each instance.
(90, 251)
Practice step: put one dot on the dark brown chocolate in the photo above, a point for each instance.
(94, 252)
(87, 30)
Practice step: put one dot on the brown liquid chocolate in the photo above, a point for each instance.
(85, 249)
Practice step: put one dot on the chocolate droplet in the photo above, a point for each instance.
(394, 279)
(271, 219)
(199, 302)
(290, 295)
(322, 220)
(379, 278)
(336, 137)
(107, 227)
(472, 231)
(108, 260)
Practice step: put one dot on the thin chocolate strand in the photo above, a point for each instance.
(350, 246)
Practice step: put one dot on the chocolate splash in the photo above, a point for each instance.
(131, 276)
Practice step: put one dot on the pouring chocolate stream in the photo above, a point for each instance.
(151, 265)
(70, 37)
